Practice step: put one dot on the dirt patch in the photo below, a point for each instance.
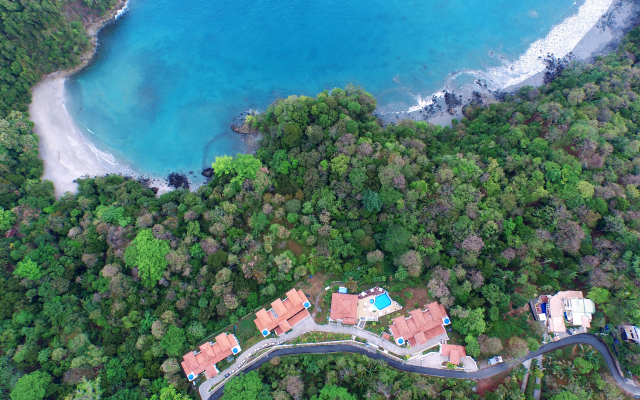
(314, 288)
(418, 295)
(296, 248)
(491, 384)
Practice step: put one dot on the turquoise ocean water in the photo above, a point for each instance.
(169, 77)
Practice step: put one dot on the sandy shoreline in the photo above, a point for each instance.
(62, 147)
(66, 152)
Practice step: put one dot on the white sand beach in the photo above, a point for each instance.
(62, 147)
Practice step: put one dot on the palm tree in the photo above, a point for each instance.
(570, 370)
(590, 356)
(555, 368)
(362, 381)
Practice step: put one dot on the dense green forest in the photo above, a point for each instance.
(39, 37)
(340, 376)
(352, 377)
(101, 292)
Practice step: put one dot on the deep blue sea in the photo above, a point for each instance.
(170, 76)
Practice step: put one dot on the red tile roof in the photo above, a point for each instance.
(223, 342)
(279, 307)
(295, 297)
(421, 326)
(211, 371)
(386, 336)
(454, 352)
(349, 321)
(344, 306)
(420, 338)
(209, 355)
(293, 321)
(285, 309)
(284, 325)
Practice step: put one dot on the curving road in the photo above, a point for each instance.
(584, 338)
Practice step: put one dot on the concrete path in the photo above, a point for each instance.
(538, 392)
(527, 365)
(444, 373)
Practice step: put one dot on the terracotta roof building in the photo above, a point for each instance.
(284, 314)
(344, 308)
(205, 360)
(421, 326)
(454, 352)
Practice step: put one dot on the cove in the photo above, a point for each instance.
(169, 77)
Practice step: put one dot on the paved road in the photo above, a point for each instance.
(444, 373)
(309, 325)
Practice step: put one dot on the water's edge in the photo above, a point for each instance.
(441, 108)
(447, 104)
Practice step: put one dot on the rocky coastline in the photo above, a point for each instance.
(604, 37)
(92, 29)
(250, 136)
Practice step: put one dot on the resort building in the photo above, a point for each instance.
(344, 308)
(630, 333)
(454, 352)
(421, 326)
(569, 307)
(351, 309)
(284, 314)
(205, 360)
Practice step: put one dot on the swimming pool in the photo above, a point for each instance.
(382, 301)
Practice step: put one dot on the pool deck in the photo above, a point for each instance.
(376, 291)
(367, 311)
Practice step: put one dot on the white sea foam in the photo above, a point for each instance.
(124, 9)
(102, 155)
(559, 42)
(422, 102)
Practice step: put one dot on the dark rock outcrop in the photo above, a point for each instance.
(178, 181)
(207, 172)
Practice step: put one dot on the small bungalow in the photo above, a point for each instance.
(344, 308)
(454, 352)
(630, 333)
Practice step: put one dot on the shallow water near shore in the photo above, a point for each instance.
(170, 77)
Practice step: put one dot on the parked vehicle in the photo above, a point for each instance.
(227, 375)
(495, 360)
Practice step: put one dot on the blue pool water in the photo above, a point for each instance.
(170, 76)
(382, 301)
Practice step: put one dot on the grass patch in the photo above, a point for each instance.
(315, 337)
